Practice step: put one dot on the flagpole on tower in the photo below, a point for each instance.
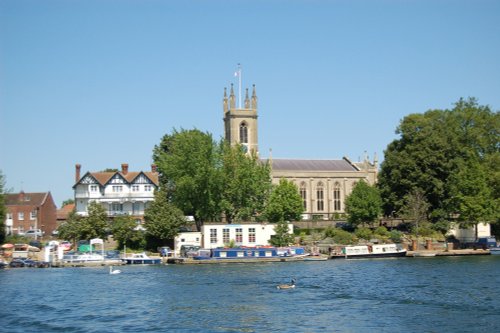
(238, 74)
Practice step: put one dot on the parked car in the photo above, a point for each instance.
(165, 251)
(34, 233)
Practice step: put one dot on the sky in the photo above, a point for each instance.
(100, 82)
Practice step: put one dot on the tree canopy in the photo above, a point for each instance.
(444, 153)
(285, 203)
(208, 179)
(162, 219)
(364, 204)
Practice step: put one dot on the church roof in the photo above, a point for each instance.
(312, 165)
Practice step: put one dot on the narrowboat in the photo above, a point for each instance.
(237, 253)
(370, 251)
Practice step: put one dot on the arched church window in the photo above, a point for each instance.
(303, 194)
(336, 197)
(320, 205)
(243, 132)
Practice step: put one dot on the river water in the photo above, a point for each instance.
(448, 294)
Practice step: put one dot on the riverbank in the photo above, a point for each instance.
(447, 253)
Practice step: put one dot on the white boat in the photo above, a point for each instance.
(495, 250)
(370, 251)
(87, 257)
(142, 259)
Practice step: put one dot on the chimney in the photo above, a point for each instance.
(78, 168)
(21, 196)
(124, 168)
(153, 168)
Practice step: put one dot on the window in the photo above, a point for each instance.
(303, 194)
(147, 188)
(135, 188)
(33, 215)
(9, 216)
(116, 207)
(319, 195)
(336, 197)
(20, 216)
(225, 236)
(93, 188)
(239, 235)
(243, 133)
(213, 236)
(136, 207)
(117, 188)
(251, 235)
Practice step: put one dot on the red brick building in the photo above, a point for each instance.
(26, 211)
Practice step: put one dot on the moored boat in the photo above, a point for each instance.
(495, 250)
(370, 251)
(141, 259)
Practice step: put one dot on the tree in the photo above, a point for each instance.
(415, 209)
(187, 161)
(470, 195)
(285, 203)
(282, 236)
(3, 209)
(70, 230)
(247, 183)
(125, 232)
(95, 225)
(364, 204)
(162, 219)
(67, 202)
(432, 149)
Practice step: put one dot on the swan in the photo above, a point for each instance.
(287, 286)
(114, 271)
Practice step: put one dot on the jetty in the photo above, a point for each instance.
(447, 253)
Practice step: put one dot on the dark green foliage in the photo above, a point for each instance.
(77, 227)
(364, 233)
(188, 162)
(339, 236)
(282, 237)
(285, 203)
(162, 219)
(246, 184)
(363, 205)
(125, 233)
(452, 157)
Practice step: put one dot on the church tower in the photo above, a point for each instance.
(240, 124)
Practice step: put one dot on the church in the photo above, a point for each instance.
(322, 184)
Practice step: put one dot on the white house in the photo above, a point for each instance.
(242, 234)
(119, 192)
(468, 235)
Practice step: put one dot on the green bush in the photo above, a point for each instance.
(382, 231)
(395, 236)
(364, 233)
(338, 235)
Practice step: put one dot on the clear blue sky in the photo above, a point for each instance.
(99, 82)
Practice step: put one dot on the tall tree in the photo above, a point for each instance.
(470, 196)
(282, 236)
(187, 161)
(416, 208)
(284, 203)
(162, 219)
(247, 183)
(364, 204)
(432, 147)
(126, 234)
(95, 225)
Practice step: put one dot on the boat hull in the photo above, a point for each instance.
(495, 250)
(142, 261)
(370, 255)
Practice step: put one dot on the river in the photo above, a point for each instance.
(441, 294)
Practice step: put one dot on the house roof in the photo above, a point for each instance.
(27, 199)
(62, 214)
(312, 165)
(104, 177)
